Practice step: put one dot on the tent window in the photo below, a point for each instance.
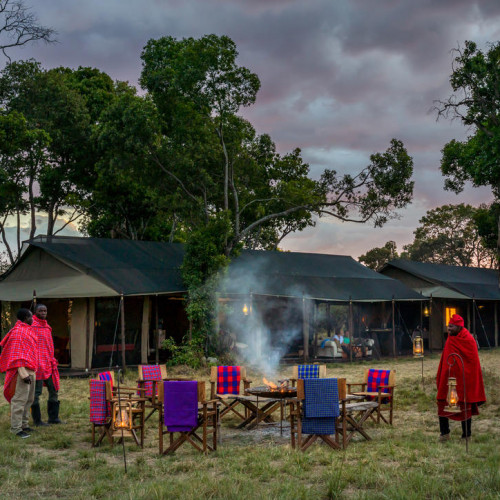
(450, 311)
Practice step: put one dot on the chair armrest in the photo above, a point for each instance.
(350, 384)
(386, 386)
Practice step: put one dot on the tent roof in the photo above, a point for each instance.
(470, 282)
(61, 266)
(316, 276)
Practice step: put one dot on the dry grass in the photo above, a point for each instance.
(403, 461)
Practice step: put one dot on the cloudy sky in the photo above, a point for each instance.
(340, 78)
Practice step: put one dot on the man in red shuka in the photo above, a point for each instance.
(47, 373)
(460, 342)
(19, 360)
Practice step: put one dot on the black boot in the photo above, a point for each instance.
(53, 411)
(36, 415)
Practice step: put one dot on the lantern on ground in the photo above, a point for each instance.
(452, 397)
(122, 418)
(418, 347)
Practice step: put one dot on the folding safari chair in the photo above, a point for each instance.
(307, 371)
(315, 412)
(225, 385)
(148, 382)
(107, 401)
(378, 385)
(196, 415)
(100, 411)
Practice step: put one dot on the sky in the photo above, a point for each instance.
(339, 79)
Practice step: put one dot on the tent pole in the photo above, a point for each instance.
(122, 321)
(351, 327)
(157, 333)
(474, 316)
(87, 336)
(496, 324)
(430, 323)
(393, 329)
(329, 320)
(305, 328)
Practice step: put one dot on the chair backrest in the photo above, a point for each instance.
(152, 372)
(374, 378)
(309, 371)
(201, 391)
(100, 397)
(226, 379)
(341, 386)
(107, 376)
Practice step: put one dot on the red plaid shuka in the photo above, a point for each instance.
(100, 409)
(377, 378)
(150, 373)
(18, 349)
(228, 380)
(47, 363)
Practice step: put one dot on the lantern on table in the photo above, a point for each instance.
(452, 397)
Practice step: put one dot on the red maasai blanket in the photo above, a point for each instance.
(150, 373)
(47, 363)
(18, 349)
(106, 376)
(100, 409)
(464, 345)
(376, 378)
(228, 379)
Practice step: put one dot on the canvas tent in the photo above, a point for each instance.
(90, 273)
(472, 292)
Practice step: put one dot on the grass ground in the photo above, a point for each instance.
(402, 461)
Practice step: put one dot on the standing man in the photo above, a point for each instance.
(47, 373)
(460, 342)
(19, 360)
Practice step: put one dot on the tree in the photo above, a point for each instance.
(378, 257)
(475, 81)
(19, 26)
(449, 235)
(234, 180)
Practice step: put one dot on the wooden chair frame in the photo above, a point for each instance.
(207, 421)
(295, 374)
(136, 410)
(385, 400)
(152, 402)
(296, 411)
(230, 401)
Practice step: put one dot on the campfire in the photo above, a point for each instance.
(282, 389)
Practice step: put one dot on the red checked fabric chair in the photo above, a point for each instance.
(100, 411)
(225, 385)
(378, 385)
(107, 407)
(186, 416)
(148, 382)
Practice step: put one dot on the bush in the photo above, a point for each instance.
(189, 352)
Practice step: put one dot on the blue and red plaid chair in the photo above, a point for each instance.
(378, 385)
(100, 410)
(148, 382)
(225, 385)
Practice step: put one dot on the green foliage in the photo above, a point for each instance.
(475, 102)
(189, 353)
(449, 235)
(378, 257)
